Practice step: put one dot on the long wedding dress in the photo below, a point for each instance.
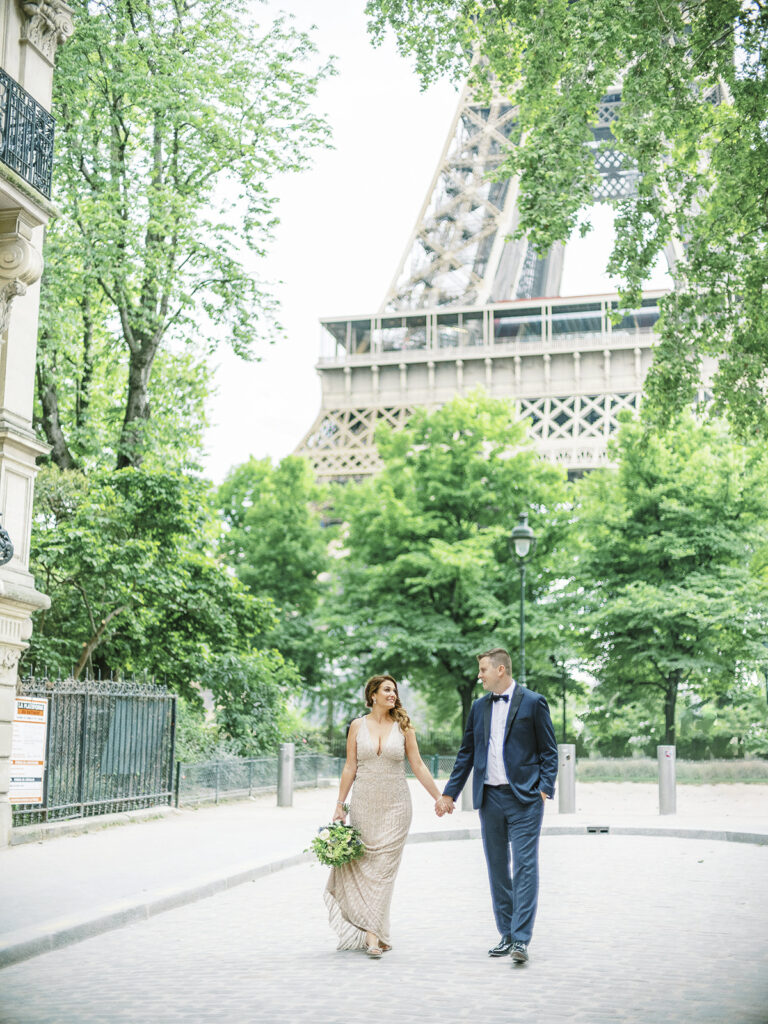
(358, 894)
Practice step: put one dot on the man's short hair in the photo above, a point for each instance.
(498, 657)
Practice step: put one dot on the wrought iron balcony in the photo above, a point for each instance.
(26, 135)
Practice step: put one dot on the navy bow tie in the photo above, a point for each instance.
(500, 696)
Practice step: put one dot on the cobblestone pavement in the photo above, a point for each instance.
(631, 930)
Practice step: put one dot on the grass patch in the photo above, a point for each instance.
(646, 769)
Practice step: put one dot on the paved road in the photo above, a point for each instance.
(631, 930)
(48, 887)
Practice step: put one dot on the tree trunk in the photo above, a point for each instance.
(670, 701)
(467, 694)
(330, 708)
(51, 423)
(83, 398)
(93, 642)
(131, 444)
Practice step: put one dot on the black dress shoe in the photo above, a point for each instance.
(503, 947)
(519, 951)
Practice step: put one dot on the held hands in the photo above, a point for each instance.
(444, 805)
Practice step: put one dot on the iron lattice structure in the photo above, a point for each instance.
(470, 305)
(460, 251)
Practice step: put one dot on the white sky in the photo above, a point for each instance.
(344, 226)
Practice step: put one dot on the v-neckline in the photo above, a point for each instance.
(382, 742)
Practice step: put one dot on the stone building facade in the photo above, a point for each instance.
(30, 34)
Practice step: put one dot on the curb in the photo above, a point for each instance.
(27, 943)
(31, 942)
(721, 835)
(79, 826)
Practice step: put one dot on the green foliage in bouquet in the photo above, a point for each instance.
(337, 844)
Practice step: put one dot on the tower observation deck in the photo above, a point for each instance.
(470, 307)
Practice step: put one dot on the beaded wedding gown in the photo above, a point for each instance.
(358, 894)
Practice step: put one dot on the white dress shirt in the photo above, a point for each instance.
(495, 773)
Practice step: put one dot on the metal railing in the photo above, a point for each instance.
(26, 135)
(110, 748)
(213, 781)
(229, 779)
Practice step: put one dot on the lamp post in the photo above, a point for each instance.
(524, 542)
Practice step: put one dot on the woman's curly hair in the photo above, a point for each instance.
(398, 712)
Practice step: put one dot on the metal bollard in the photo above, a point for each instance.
(566, 778)
(667, 797)
(285, 764)
(466, 794)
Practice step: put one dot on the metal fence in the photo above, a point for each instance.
(110, 748)
(213, 781)
(26, 135)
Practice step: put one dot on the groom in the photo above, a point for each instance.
(510, 743)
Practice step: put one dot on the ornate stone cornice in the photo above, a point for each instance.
(46, 25)
(9, 657)
(21, 262)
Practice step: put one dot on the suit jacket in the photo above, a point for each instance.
(530, 748)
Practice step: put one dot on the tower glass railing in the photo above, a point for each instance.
(578, 319)
(460, 330)
(634, 320)
(517, 325)
(551, 323)
(401, 334)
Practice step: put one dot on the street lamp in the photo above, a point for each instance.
(524, 542)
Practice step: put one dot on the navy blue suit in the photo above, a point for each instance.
(510, 814)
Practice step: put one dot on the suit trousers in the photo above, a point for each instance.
(507, 824)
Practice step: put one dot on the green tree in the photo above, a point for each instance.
(729, 724)
(172, 118)
(666, 587)
(126, 558)
(250, 692)
(559, 679)
(273, 536)
(429, 581)
(692, 124)
(615, 726)
(275, 541)
(732, 724)
(197, 737)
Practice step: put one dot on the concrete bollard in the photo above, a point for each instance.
(466, 794)
(667, 796)
(285, 763)
(566, 778)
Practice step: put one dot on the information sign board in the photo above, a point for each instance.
(28, 742)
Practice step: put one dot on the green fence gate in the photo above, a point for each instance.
(110, 748)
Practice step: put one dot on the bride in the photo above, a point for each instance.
(358, 894)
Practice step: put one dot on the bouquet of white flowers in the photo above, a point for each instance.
(337, 844)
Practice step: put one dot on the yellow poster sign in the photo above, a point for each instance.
(28, 743)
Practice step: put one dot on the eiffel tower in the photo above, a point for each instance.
(468, 307)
